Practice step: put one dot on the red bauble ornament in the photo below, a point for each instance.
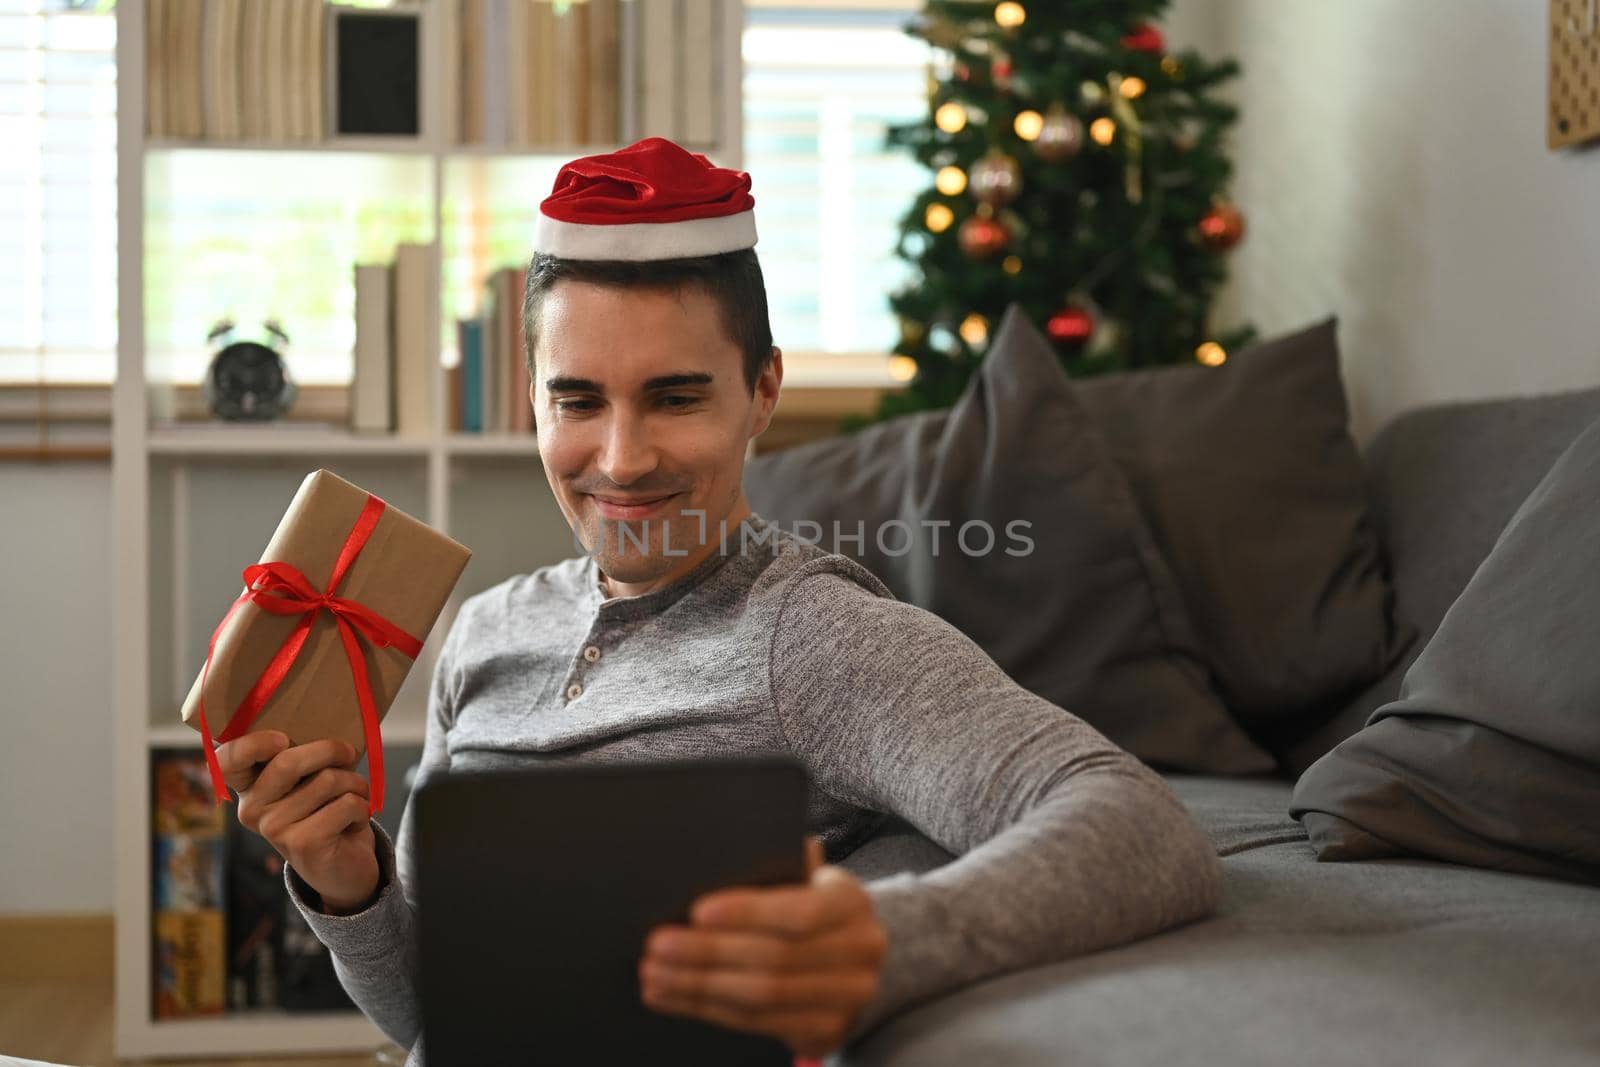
(1222, 227)
(1146, 38)
(963, 72)
(1001, 70)
(1071, 325)
(982, 238)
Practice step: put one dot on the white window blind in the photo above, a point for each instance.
(822, 83)
(58, 191)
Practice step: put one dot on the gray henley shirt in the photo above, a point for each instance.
(1066, 843)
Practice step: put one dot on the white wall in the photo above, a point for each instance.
(55, 687)
(1392, 164)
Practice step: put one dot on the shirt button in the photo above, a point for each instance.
(574, 691)
(591, 653)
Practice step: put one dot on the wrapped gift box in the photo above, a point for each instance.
(404, 573)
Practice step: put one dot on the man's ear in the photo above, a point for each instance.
(768, 386)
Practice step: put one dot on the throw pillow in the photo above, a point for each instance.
(1253, 490)
(1491, 756)
(1006, 517)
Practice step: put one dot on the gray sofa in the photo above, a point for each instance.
(1395, 961)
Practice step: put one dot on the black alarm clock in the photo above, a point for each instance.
(247, 379)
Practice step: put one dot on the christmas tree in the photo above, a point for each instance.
(1079, 170)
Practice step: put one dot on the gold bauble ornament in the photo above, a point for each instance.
(1060, 135)
(996, 179)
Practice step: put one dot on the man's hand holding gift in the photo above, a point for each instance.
(798, 963)
(310, 806)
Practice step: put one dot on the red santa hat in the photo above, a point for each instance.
(651, 200)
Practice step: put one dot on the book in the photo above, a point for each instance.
(314, 48)
(699, 62)
(496, 23)
(183, 802)
(190, 965)
(605, 67)
(254, 915)
(155, 65)
(371, 388)
(660, 88)
(413, 367)
(520, 419)
(470, 333)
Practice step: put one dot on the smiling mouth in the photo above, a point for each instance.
(635, 508)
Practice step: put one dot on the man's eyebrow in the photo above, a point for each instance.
(566, 384)
(676, 381)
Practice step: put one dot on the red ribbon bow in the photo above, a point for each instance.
(283, 590)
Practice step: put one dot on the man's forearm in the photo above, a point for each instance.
(374, 949)
(1107, 856)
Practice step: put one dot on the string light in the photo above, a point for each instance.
(1103, 130)
(1011, 265)
(951, 181)
(1133, 88)
(1211, 354)
(974, 329)
(938, 218)
(1010, 15)
(1028, 125)
(902, 368)
(951, 117)
(1171, 67)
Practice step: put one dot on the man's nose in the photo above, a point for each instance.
(627, 453)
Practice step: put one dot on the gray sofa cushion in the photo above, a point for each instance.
(1252, 486)
(1080, 608)
(1491, 756)
(1322, 965)
(1443, 483)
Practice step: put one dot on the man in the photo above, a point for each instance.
(691, 627)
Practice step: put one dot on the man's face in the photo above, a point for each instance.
(643, 414)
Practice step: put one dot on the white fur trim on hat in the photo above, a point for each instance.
(645, 240)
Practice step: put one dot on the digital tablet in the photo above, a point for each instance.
(536, 891)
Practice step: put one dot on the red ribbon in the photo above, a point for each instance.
(283, 590)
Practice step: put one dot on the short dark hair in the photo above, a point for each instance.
(733, 280)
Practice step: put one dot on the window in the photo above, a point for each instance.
(58, 191)
(822, 82)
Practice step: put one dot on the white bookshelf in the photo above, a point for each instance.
(194, 503)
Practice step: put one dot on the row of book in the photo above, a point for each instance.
(226, 70)
(392, 387)
(536, 73)
(529, 73)
(226, 935)
(488, 386)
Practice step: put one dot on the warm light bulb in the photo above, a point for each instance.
(938, 218)
(1011, 265)
(902, 368)
(1132, 88)
(1028, 125)
(974, 329)
(951, 181)
(1211, 354)
(1010, 15)
(1104, 131)
(1171, 67)
(951, 117)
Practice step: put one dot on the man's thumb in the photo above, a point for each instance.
(815, 857)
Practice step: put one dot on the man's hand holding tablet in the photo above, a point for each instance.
(795, 962)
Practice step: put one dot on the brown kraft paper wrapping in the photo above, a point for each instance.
(405, 573)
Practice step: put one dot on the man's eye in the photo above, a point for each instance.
(577, 404)
(679, 400)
